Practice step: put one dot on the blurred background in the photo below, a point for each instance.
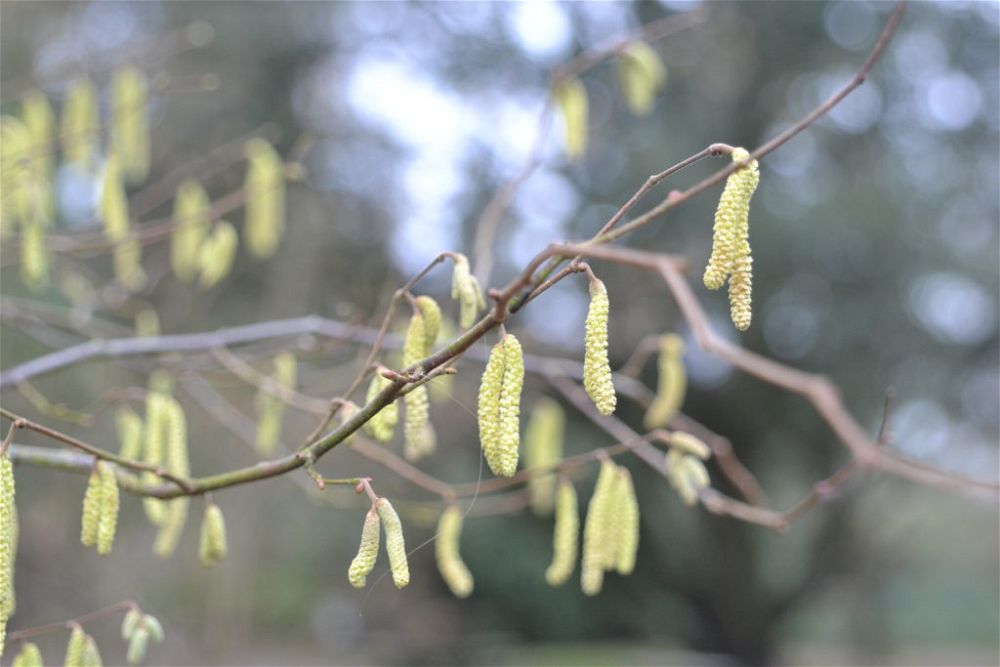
(875, 236)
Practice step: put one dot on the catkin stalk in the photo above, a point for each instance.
(446, 550)
(395, 546)
(364, 561)
(596, 369)
(565, 536)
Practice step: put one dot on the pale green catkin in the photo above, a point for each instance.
(34, 256)
(265, 198)
(730, 240)
(270, 410)
(217, 255)
(432, 322)
(110, 506)
(130, 123)
(130, 622)
(15, 173)
(212, 543)
(465, 288)
(8, 543)
(641, 75)
(384, 422)
(627, 514)
(137, 645)
(80, 124)
(543, 448)
(75, 647)
(155, 437)
(565, 536)
(690, 444)
(129, 426)
(364, 561)
(29, 656)
(127, 251)
(395, 547)
(415, 348)
(192, 216)
(39, 119)
(687, 474)
(147, 323)
(446, 551)
(91, 656)
(571, 98)
(671, 382)
(91, 517)
(596, 369)
(152, 624)
(176, 449)
(595, 530)
(499, 406)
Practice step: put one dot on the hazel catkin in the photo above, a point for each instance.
(108, 521)
(565, 536)
(265, 198)
(500, 405)
(29, 656)
(192, 216)
(383, 423)
(597, 553)
(596, 369)
(465, 288)
(446, 550)
(364, 561)
(395, 546)
(671, 382)
(543, 448)
(176, 450)
(212, 546)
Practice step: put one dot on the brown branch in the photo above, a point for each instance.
(28, 633)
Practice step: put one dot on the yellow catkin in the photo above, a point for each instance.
(130, 123)
(364, 561)
(446, 551)
(687, 474)
(127, 252)
(690, 444)
(565, 536)
(441, 388)
(147, 323)
(627, 514)
(109, 508)
(91, 517)
(543, 448)
(212, 543)
(731, 241)
(152, 453)
(217, 255)
(465, 288)
(596, 369)
(500, 405)
(432, 321)
(671, 382)
(91, 656)
(34, 256)
(8, 542)
(384, 422)
(415, 346)
(75, 647)
(395, 546)
(39, 119)
(176, 450)
(270, 410)
(129, 427)
(571, 98)
(15, 174)
(80, 124)
(265, 198)
(641, 75)
(130, 622)
(29, 656)
(137, 645)
(192, 216)
(595, 530)
(127, 263)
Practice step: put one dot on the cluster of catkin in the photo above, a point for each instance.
(137, 629)
(730, 257)
(611, 530)
(685, 470)
(100, 508)
(381, 515)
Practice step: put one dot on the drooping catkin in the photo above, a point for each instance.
(91, 517)
(29, 656)
(15, 175)
(129, 122)
(8, 542)
(176, 450)
(80, 124)
(130, 622)
(384, 422)
(152, 454)
(212, 542)
(91, 656)
(690, 444)
(671, 382)
(687, 474)
(730, 240)
(364, 561)
(137, 645)
(446, 551)
(265, 198)
(500, 405)
(641, 75)
(596, 369)
(39, 119)
(129, 427)
(543, 448)
(127, 252)
(109, 508)
(565, 536)
(34, 256)
(192, 216)
(415, 347)
(571, 98)
(270, 410)
(595, 530)
(465, 288)
(627, 515)
(395, 546)
(432, 322)
(75, 647)
(217, 255)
